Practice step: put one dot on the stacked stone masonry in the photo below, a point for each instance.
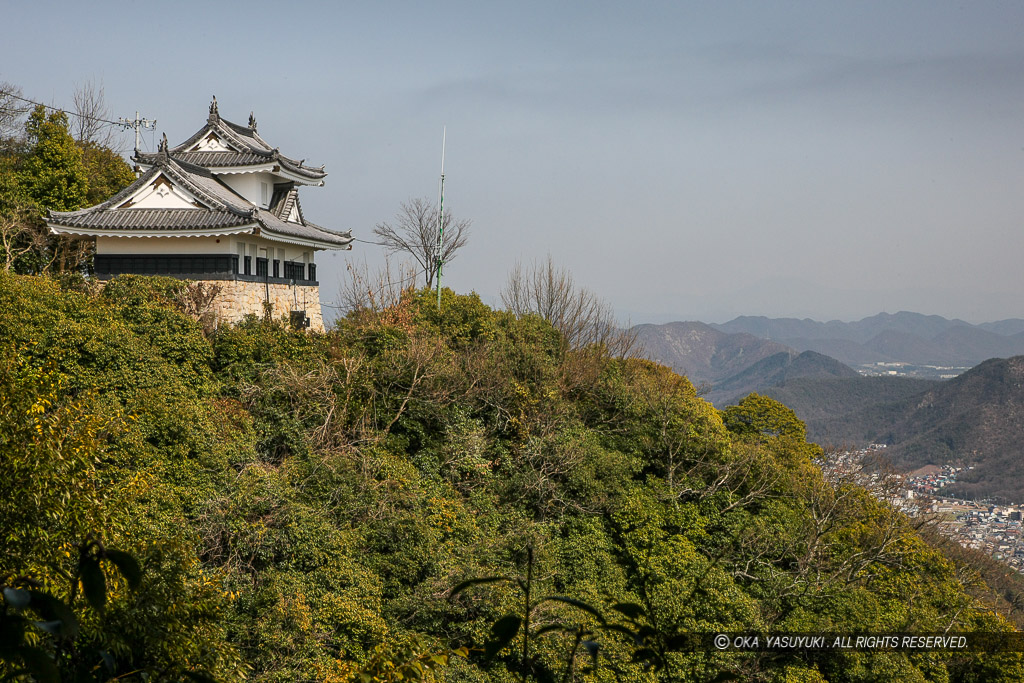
(238, 299)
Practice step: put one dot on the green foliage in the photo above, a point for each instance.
(106, 171)
(412, 659)
(47, 170)
(47, 647)
(54, 176)
(461, 320)
(762, 416)
(67, 475)
(301, 505)
(50, 444)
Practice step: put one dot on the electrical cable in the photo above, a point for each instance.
(411, 276)
(71, 113)
(379, 244)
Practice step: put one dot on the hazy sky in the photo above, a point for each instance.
(684, 160)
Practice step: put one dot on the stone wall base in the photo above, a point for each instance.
(238, 299)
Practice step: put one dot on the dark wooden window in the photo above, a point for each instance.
(108, 265)
(293, 270)
(261, 267)
(277, 268)
(248, 265)
(312, 271)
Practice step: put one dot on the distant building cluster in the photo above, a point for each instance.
(981, 525)
(994, 530)
(901, 369)
(930, 480)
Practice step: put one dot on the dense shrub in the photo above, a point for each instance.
(302, 504)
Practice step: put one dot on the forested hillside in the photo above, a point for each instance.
(853, 411)
(973, 419)
(777, 371)
(301, 507)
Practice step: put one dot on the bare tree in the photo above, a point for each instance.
(12, 111)
(580, 315)
(363, 291)
(90, 110)
(415, 233)
(198, 300)
(20, 233)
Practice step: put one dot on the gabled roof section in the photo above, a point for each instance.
(216, 210)
(211, 198)
(230, 147)
(285, 203)
(284, 217)
(215, 206)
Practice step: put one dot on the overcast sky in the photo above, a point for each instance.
(686, 161)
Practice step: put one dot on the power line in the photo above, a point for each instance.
(46, 106)
(383, 286)
(379, 244)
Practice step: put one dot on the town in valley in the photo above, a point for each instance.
(985, 525)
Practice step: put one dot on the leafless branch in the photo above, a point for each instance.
(20, 233)
(12, 111)
(415, 232)
(90, 106)
(363, 291)
(580, 315)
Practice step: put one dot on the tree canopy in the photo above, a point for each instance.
(53, 175)
(428, 495)
(46, 169)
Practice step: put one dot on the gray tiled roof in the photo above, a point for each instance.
(297, 167)
(273, 224)
(250, 150)
(200, 181)
(216, 159)
(222, 208)
(237, 159)
(151, 219)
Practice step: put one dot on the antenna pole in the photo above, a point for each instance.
(137, 123)
(440, 219)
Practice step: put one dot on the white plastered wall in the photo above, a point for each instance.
(248, 185)
(291, 252)
(164, 245)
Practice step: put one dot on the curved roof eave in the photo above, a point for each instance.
(113, 232)
(305, 241)
(275, 169)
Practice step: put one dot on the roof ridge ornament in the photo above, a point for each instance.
(161, 149)
(252, 121)
(214, 114)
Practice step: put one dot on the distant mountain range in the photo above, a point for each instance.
(721, 357)
(778, 370)
(727, 366)
(701, 352)
(903, 337)
(976, 417)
